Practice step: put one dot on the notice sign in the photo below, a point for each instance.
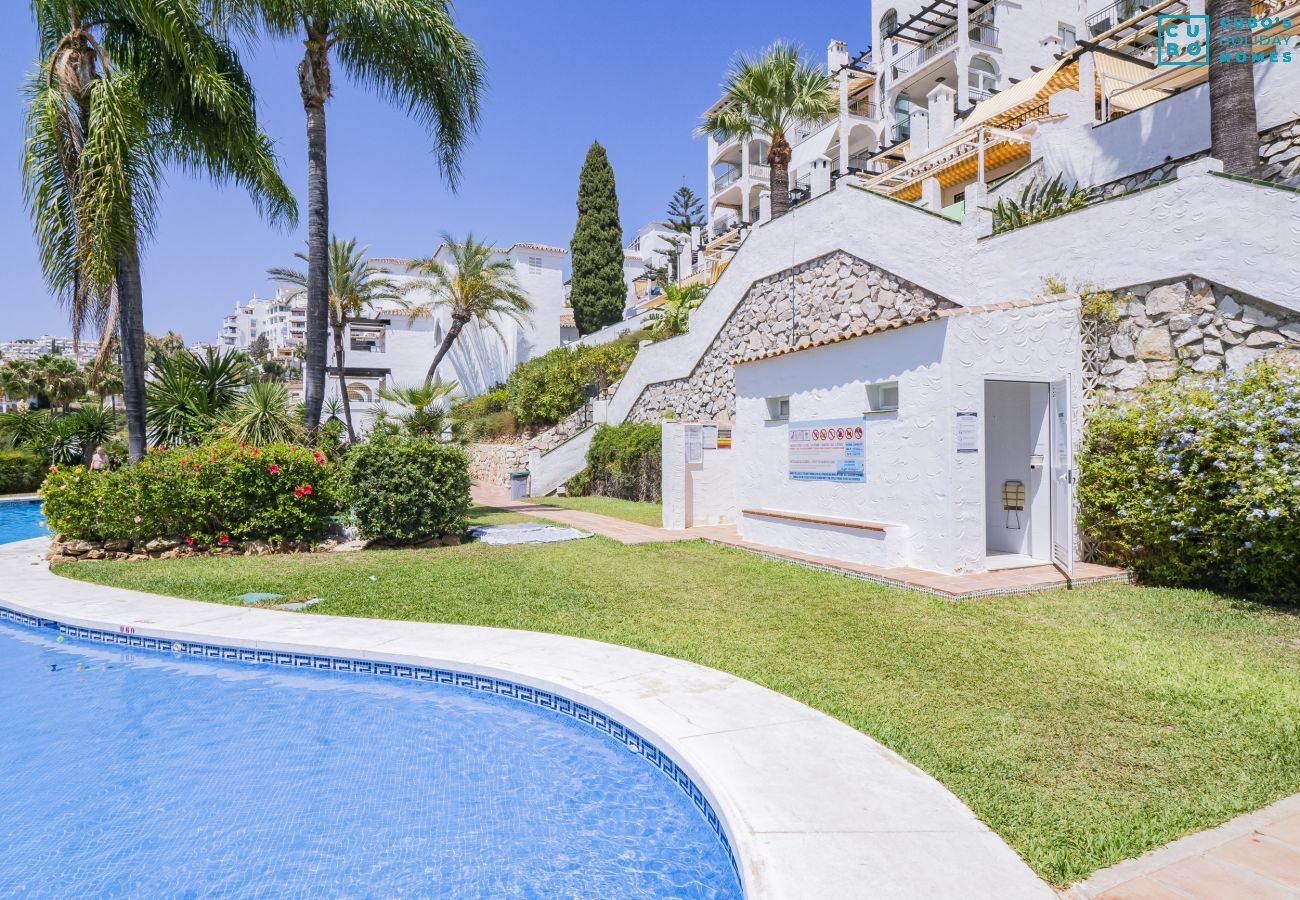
(968, 432)
(827, 450)
(694, 443)
(709, 437)
(724, 437)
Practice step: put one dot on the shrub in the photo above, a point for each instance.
(404, 488)
(277, 493)
(486, 417)
(623, 461)
(1040, 201)
(20, 471)
(1198, 482)
(544, 390)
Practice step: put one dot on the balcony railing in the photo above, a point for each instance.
(1036, 112)
(977, 95)
(901, 131)
(931, 49)
(760, 172)
(803, 132)
(862, 107)
(862, 162)
(984, 35)
(727, 178)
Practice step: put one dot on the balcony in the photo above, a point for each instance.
(930, 50)
(863, 108)
(901, 131)
(1108, 18)
(726, 179)
(760, 172)
(984, 35)
(807, 130)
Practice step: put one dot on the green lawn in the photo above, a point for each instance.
(641, 513)
(1084, 726)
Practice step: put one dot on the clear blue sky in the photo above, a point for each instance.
(634, 77)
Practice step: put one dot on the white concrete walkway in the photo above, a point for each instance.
(813, 808)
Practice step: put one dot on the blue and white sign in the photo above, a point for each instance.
(827, 450)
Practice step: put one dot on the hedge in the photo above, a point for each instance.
(20, 472)
(623, 461)
(544, 390)
(1198, 482)
(407, 489)
(207, 496)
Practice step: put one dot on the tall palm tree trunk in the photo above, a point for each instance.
(778, 157)
(343, 384)
(130, 326)
(1234, 131)
(453, 332)
(314, 82)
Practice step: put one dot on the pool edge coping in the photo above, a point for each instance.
(630, 691)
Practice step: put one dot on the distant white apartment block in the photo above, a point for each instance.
(282, 320)
(31, 348)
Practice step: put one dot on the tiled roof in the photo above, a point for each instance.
(929, 316)
(567, 320)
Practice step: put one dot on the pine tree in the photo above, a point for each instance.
(598, 292)
(685, 211)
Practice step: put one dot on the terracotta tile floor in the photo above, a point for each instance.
(1253, 857)
(953, 587)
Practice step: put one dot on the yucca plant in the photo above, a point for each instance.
(265, 414)
(1039, 201)
(674, 316)
(188, 394)
(425, 409)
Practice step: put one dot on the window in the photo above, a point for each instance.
(882, 397)
(982, 79)
(778, 409)
(1068, 35)
(366, 338)
(534, 265)
(888, 24)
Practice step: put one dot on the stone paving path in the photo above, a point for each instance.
(951, 587)
(1253, 857)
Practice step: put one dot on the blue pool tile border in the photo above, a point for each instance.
(485, 683)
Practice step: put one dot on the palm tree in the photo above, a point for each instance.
(59, 379)
(674, 315)
(425, 409)
(1234, 131)
(106, 382)
(354, 285)
(474, 287)
(124, 89)
(409, 52)
(772, 93)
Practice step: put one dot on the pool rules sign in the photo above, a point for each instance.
(827, 450)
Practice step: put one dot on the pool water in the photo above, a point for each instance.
(136, 773)
(21, 519)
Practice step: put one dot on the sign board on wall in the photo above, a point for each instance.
(724, 437)
(694, 443)
(968, 432)
(709, 437)
(827, 450)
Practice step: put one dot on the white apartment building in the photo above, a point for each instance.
(282, 319)
(649, 249)
(394, 343)
(31, 348)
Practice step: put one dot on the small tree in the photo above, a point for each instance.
(599, 293)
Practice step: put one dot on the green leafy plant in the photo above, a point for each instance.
(405, 489)
(674, 316)
(20, 471)
(1039, 201)
(623, 461)
(188, 394)
(264, 414)
(424, 410)
(486, 417)
(1198, 482)
(598, 290)
(545, 389)
(278, 493)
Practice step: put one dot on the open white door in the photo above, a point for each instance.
(1062, 475)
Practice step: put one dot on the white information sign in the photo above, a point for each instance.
(827, 450)
(709, 437)
(968, 432)
(694, 443)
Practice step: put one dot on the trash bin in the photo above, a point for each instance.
(518, 484)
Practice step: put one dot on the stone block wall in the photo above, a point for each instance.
(490, 464)
(1189, 325)
(816, 299)
(1279, 152)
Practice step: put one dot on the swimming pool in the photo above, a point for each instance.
(21, 519)
(139, 773)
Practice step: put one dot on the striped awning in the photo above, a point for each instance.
(1024, 96)
(1120, 81)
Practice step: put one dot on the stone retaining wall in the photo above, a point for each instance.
(1188, 325)
(815, 300)
(490, 464)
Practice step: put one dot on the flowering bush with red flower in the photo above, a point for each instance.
(277, 493)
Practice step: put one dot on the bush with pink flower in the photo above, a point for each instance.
(1198, 482)
(215, 494)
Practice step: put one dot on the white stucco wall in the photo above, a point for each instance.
(699, 493)
(914, 476)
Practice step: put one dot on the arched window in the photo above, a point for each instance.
(888, 24)
(359, 393)
(982, 79)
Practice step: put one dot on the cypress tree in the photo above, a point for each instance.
(598, 292)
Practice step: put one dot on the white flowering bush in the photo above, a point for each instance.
(1198, 482)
